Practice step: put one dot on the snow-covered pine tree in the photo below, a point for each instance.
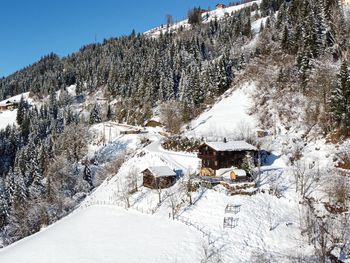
(88, 175)
(95, 114)
(4, 205)
(340, 97)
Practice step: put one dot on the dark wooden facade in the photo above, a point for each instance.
(157, 182)
(216, 160)
(9, 106)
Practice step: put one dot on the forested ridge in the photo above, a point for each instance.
(44, 173)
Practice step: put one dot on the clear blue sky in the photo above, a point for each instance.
(30, 29)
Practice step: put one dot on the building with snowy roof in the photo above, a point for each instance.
(220, 6)
(158, 177)
(225, 154)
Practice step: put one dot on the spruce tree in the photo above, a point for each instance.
(340, 97)
(87, 174)
(95, 114)
(109, 114)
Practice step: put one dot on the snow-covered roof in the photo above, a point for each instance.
(240, 172)
(226, 172)
(160, 171)
(231, 146)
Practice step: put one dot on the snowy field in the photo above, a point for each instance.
(227, 117)
(107, 234)
(8, 117)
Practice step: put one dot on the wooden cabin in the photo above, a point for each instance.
(159, 177)
(220, 6)
(8, 106)
(219, 155)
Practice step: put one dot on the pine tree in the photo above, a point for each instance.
(110, 113)
(95, 114)
(19, 196)
(285, 42)
(88, 175)
(340, 97)
(4, 206)
(22, 108)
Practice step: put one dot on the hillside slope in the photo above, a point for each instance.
(108, 234)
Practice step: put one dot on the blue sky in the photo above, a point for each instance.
(31, 29)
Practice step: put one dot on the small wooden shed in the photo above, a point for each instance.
(158, 177)
(238, 175)
(234, 174)
(8, 105)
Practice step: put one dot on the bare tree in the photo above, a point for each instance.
(326, 232)
(187, 186)
(170, 116)
(211, 254)
(124, 193)
(305, 178)
(245, 132)
(132, 178)
(73, 142)
(344, 156)
(109, 169)
(339, 191)
(159, 190)
(174, 201)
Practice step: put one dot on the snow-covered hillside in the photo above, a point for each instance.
(277, 213)
(207, 17)
(108, 234)
(8, 117)
(227, 118)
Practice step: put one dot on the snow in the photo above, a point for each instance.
(8, 117)
(106, 141)
(72, 90)
(214, 14)
(231, 146)
(265, 224)
(160, 171)
(228, 117)
(225, 172)
(187, 162)
(100, 230)
(16, 98)
(107, 234)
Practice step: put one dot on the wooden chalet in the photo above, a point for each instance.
(159, 177)
(220, 155)
(8, 105)
(220, 6)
